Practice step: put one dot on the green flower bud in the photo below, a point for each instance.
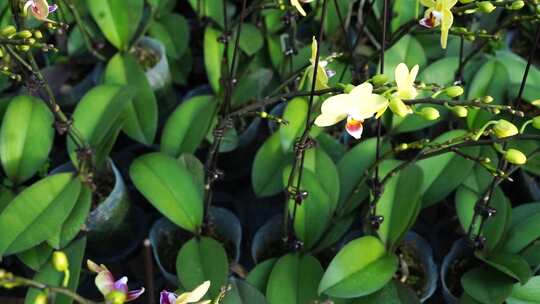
(486, 7)
(465, 1)
(429, 113)
(24, 34)
(536, 122)
(460, 111)
(487, 99)
(517, 5)
(504, 128)
(60, 261)
(454, 91)
(116, 297)
(8, 31)
(38, 34)
(348, 88)
(399, 107)
(379, 79)
(23, 48)
(41, 298)
(515, 157)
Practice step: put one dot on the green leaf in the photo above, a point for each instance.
(142, 111)
(267, 171)
(118, 20)
(202, 259)
(336, 231)
(251, 39)
(211, 9)
(75, 221)
(26, 137)
(400, 202)
(495, 227)
(515, 66)
(511, 264)
(37, 212)
(332, 23)
(213, 55)
(251, 85)
(362, 267)
(242, 292)
(404, 11)
(407, 50)
(99, 119)
(524, 229)
(187, 125)
(36, 256)
(294, 280)
(492, 79)
(49, 275)
(170, 188)
(318, 162)
(295, 113)
(441, 72)
(526, 294)
(173, 30)
(259, 275)
(444, 173)
(6, 195)
(392, 293)
(195, 168)
(487, 285)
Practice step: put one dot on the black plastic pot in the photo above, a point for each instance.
(460, 249)
(266, 237)
(159, 76)
(165, 234)
(425, 255)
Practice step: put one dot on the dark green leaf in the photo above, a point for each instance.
(259, 275)
(526, 294)
(487, 285)
(267, 171)
(36, 256)
(173, 30)
(511, 264)
(251, 39)
(242, 292)
(213, 54)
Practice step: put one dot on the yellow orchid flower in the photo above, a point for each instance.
(322, 77)
(356, 106)
(40, 9)
(405, 89)
(194, 296)
(439, 12)
(298, 6)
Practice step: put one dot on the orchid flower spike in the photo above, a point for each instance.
(298, 6)
(194, 296)
(356, 106)
(322, 76)
(439, 12)
(109, 287)
(40, 9)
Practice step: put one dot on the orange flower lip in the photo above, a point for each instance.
(354, 125)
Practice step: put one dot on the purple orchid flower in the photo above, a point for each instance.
(107, 285)
(188, 297)
(40, 9)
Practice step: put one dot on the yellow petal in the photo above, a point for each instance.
(199, 292)
(449, 3)
(336, 105)
(360, 90)
(367, 106)
(298, 7)
(325, 120)
(446, 24)
(402, 76)
(313, 50)
(413, 74)
(428, 3)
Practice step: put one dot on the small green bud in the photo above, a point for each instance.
(402, 147)
(429, 113)
(399, 107)
(38, 34)
(348, 88)
(379, 79)
(454, 91)
(536, 103)
(487, 99)
(536, 122)
(116, 297)
(517, 5)
(24, 34)
(460, 111)
(60, 261)
(23, 48)
(465, 1)
(41, 298)
(470, 37)
(31, 41)
(470, 11)
(486, 7)
(8, 31)
(504, 128)
(515, 157)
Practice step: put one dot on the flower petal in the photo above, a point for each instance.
(362, 89)
(401, 74)
(428, 3)
(336, 105)
(105, 282)
(134, 294)
(325, 120)
(446, 24)
(166, 297)
(121, 285)
(367, 106)
(199, 292)
(449, 3)
(298, 7)
(95, 267)
(354, 127)
(412, 75)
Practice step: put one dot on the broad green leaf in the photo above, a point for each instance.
(99, 119)
(142, 111)
(169, 186)
(394, 292)
(400, 202)
(251, 39)
(492, 79)
(118, 20)
(26, 137)
(49, 275)
(318, 162)
(251, 85)
(6, 195)
(362, 267)
(444, 173)
(173, 30)
(515, 66)
(211, 9)
(511, 264)
(195, 168)
(36, 256)
(243, 293)
(259, 275)
(404, 11)
(336, 230)
(295, 113)
(487, 285)
(495, 227)
(202, 259)
(213, 55)
(526, 294)
(37, 212)
(441, 72)
(267, 171)
(407, 50)
(188, 125)
(294, 280)
(525, 227)
(332, 25)
(75, 221)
